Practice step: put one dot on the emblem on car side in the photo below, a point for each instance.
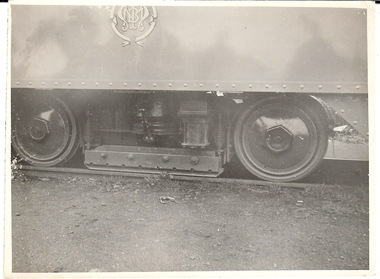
(133, 23)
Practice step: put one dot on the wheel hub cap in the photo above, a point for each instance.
(278, 139)
(38, 129)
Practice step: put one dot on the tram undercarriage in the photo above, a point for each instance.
(278, 137)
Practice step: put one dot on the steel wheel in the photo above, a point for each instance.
(280, 139)
(45, 132)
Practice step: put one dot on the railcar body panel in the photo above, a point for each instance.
(242, 49)
(196, 86)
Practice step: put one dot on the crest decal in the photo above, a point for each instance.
(133, 23)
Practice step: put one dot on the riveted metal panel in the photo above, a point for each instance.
(353, 108)
(257, 49)
(153, 158)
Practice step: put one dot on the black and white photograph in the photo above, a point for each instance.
(190, 139)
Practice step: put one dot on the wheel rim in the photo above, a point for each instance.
(280, 141)
(45, 133)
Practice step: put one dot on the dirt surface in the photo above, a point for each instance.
(112, 224)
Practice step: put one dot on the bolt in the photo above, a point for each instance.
(38, 129)
(194, 160)
(278, 138)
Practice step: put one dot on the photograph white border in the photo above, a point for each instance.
(374, 133)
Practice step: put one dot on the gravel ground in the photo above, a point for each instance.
(115, 224)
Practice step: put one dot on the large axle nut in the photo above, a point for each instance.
(38, 129)
(278, 139)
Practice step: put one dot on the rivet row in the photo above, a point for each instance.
(217, 85)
